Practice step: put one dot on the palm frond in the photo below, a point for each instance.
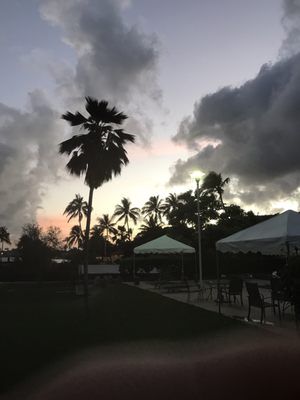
(77, 164)
(100, 112)
(74, 143)
(123, 136)
(74, 119)
(93, 107)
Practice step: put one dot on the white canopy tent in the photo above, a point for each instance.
(163, 245)
(276, 236)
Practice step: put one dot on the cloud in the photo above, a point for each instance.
(291, 25)
(29, 158)
(249, 132)
(115, 61)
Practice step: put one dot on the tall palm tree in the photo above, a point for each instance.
(75, 237)
(125, 212)
(107, 227)
(150, 224)
(214, 182)
(154, 207)
(170, 206)
(171, 203)
(99, 153)
(77, 208)
(150, 229)
(4, 236)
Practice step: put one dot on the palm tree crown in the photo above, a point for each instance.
(77, 208)
(153, 207)
(106, 226)
(100, 153)
(75, 237)
(214, 182)
(170, 205)
(125, 212)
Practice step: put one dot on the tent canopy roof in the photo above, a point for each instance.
(268, 237)
(163, 245)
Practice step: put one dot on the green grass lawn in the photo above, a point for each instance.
(40, 326)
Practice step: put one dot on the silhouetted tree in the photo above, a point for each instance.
(4, 236)
(154, 208)
(125, 212)
(214, 182)
(122, 234)
(187, 209)
(236, 218)
(77, 208)
(107, 228)
(99, 153)
(122, 240)
(150, 229)
(33, 250)
(170, 205)
(97, 243)
(75, 237)
(53, 238)
(209, 207)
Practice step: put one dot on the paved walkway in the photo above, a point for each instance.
(285, 327)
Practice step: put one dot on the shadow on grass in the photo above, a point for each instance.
(40, 326)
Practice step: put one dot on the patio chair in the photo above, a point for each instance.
(234, 289)
(279, 295)
(256, 299)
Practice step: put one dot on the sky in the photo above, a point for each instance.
(207, 84)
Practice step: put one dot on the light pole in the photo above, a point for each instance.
(197, 175)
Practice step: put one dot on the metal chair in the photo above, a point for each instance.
(234, 289)
(256, 299)
(279, 295)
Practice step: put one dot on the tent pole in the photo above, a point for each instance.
(219, 295)
(182, 268)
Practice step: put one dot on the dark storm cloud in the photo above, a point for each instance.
(291, 25)
(115, 61)
(251, 132)
(28, 159)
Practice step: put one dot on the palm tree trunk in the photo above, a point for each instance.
(105, 244)
(86, 243)
(128, 230)
(79, 220)
(221, 200)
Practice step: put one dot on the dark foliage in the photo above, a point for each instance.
(34, 252)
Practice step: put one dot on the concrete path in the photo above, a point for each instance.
(285, 327)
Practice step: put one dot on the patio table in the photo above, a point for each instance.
(213, 285)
